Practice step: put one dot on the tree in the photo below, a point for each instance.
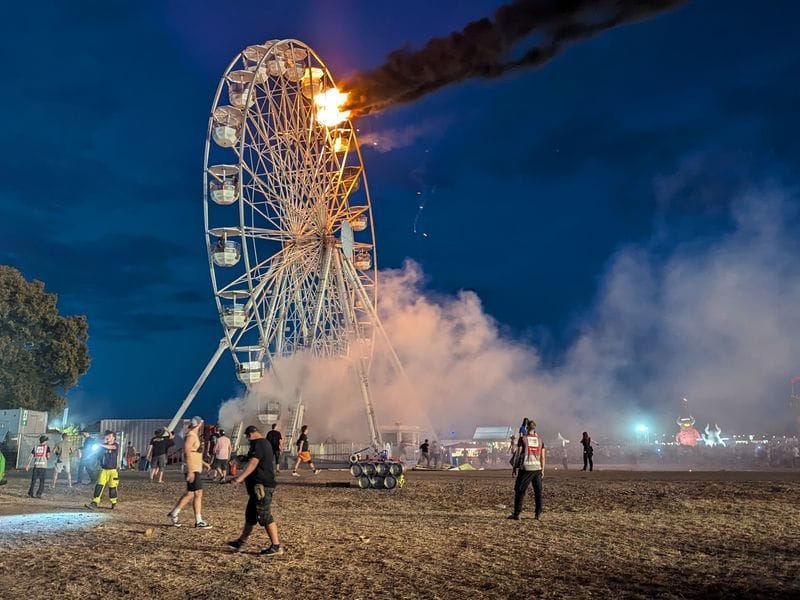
(42, 354)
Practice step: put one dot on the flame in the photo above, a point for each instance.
(329, 107)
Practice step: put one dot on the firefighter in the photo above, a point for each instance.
(529, 470)
(109, 475)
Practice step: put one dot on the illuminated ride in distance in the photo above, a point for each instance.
(288, 220)
(687, 435)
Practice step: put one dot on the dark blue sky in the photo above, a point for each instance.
(531, 182)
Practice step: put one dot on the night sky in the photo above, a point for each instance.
(530, 183)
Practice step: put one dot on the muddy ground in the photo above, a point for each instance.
(612, 534)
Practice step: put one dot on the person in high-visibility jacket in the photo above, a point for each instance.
(529, 470)
(3, 479)
(109, 475)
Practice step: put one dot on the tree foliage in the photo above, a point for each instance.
(42, 354)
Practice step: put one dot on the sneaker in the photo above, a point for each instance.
(202, 525)
(536, 516)
(317, 471)
(113, 506)
(91, 505)
(235, 545)
(513, 517)
(173, 519)
(295, 474)
(272, 550)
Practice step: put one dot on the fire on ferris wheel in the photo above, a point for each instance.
(288, 222)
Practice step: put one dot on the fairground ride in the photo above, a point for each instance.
(288, 223)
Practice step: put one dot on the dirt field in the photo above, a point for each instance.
(606, 534)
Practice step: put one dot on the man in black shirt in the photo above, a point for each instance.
(157, 453)
(259, 479)
(424, 455)
(88, 459)
(275, 438)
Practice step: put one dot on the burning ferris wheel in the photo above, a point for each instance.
(288, 219)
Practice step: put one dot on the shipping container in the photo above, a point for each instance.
(138, 431)
(14, 422)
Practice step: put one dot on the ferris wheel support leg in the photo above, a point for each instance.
(375, 432)
(359, 287)
(223, 345)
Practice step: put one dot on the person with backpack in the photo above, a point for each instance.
(529, 470)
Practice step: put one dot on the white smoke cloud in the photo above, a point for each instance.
(714, 320)
(395, 138)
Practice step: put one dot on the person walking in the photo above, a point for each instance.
(424, 453)
(259, 479)
(3, 479)
(222, 455)
(39, 457)
(193, 459)
(303, 453)
(588, 451)
(130, 455)
(436, 454)
(529, 470)
(108, 475)
(64, 452)
(157, 450)
(275, 439)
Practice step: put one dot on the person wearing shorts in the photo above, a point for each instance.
(64, 453)
(303, 453)
(222, 454)
(193, 459)
(157, 453)
(259, 479)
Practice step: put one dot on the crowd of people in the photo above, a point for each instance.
(212, 460)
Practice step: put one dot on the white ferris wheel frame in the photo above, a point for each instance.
(305, 286)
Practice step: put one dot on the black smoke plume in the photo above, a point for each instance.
(484, 47)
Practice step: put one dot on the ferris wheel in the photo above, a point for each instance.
(288, 219)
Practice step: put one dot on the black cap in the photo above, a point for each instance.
(43, 438)
(250, 429)
(109, 432)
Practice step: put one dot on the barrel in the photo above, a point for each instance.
(389, 482)
(356, 470)
(363, 482)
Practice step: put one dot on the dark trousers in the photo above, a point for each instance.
(587, 460)
(86, 466)
(38, 473)
(524, 479)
